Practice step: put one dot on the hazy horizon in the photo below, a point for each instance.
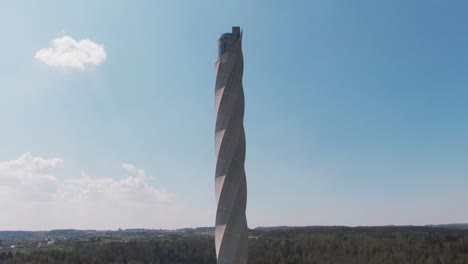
(250, 228)
(355, 113)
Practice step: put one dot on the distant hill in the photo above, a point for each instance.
(273, 228)
(451, 226)
(71, 233)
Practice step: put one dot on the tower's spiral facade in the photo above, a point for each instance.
(231, 187)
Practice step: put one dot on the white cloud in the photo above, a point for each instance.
(131, 190)
(26, 163)
(32, 185)
(134, 170)
(31, 176)
(66, 52)
(129, 167)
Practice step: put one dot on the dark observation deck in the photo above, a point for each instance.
(226, 40)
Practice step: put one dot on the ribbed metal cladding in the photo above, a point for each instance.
(231, 188)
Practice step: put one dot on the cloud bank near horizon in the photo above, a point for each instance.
(30, 187)
(66, 52)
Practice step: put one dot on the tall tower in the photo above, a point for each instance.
(231, 187)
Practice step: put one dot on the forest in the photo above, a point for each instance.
(280, 245)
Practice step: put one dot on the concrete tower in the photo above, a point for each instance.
(231, 187)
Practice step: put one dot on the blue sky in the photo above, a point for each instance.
(356, 113)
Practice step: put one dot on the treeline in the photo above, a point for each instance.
(199, 250)
(361, 245)
(277, 246)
